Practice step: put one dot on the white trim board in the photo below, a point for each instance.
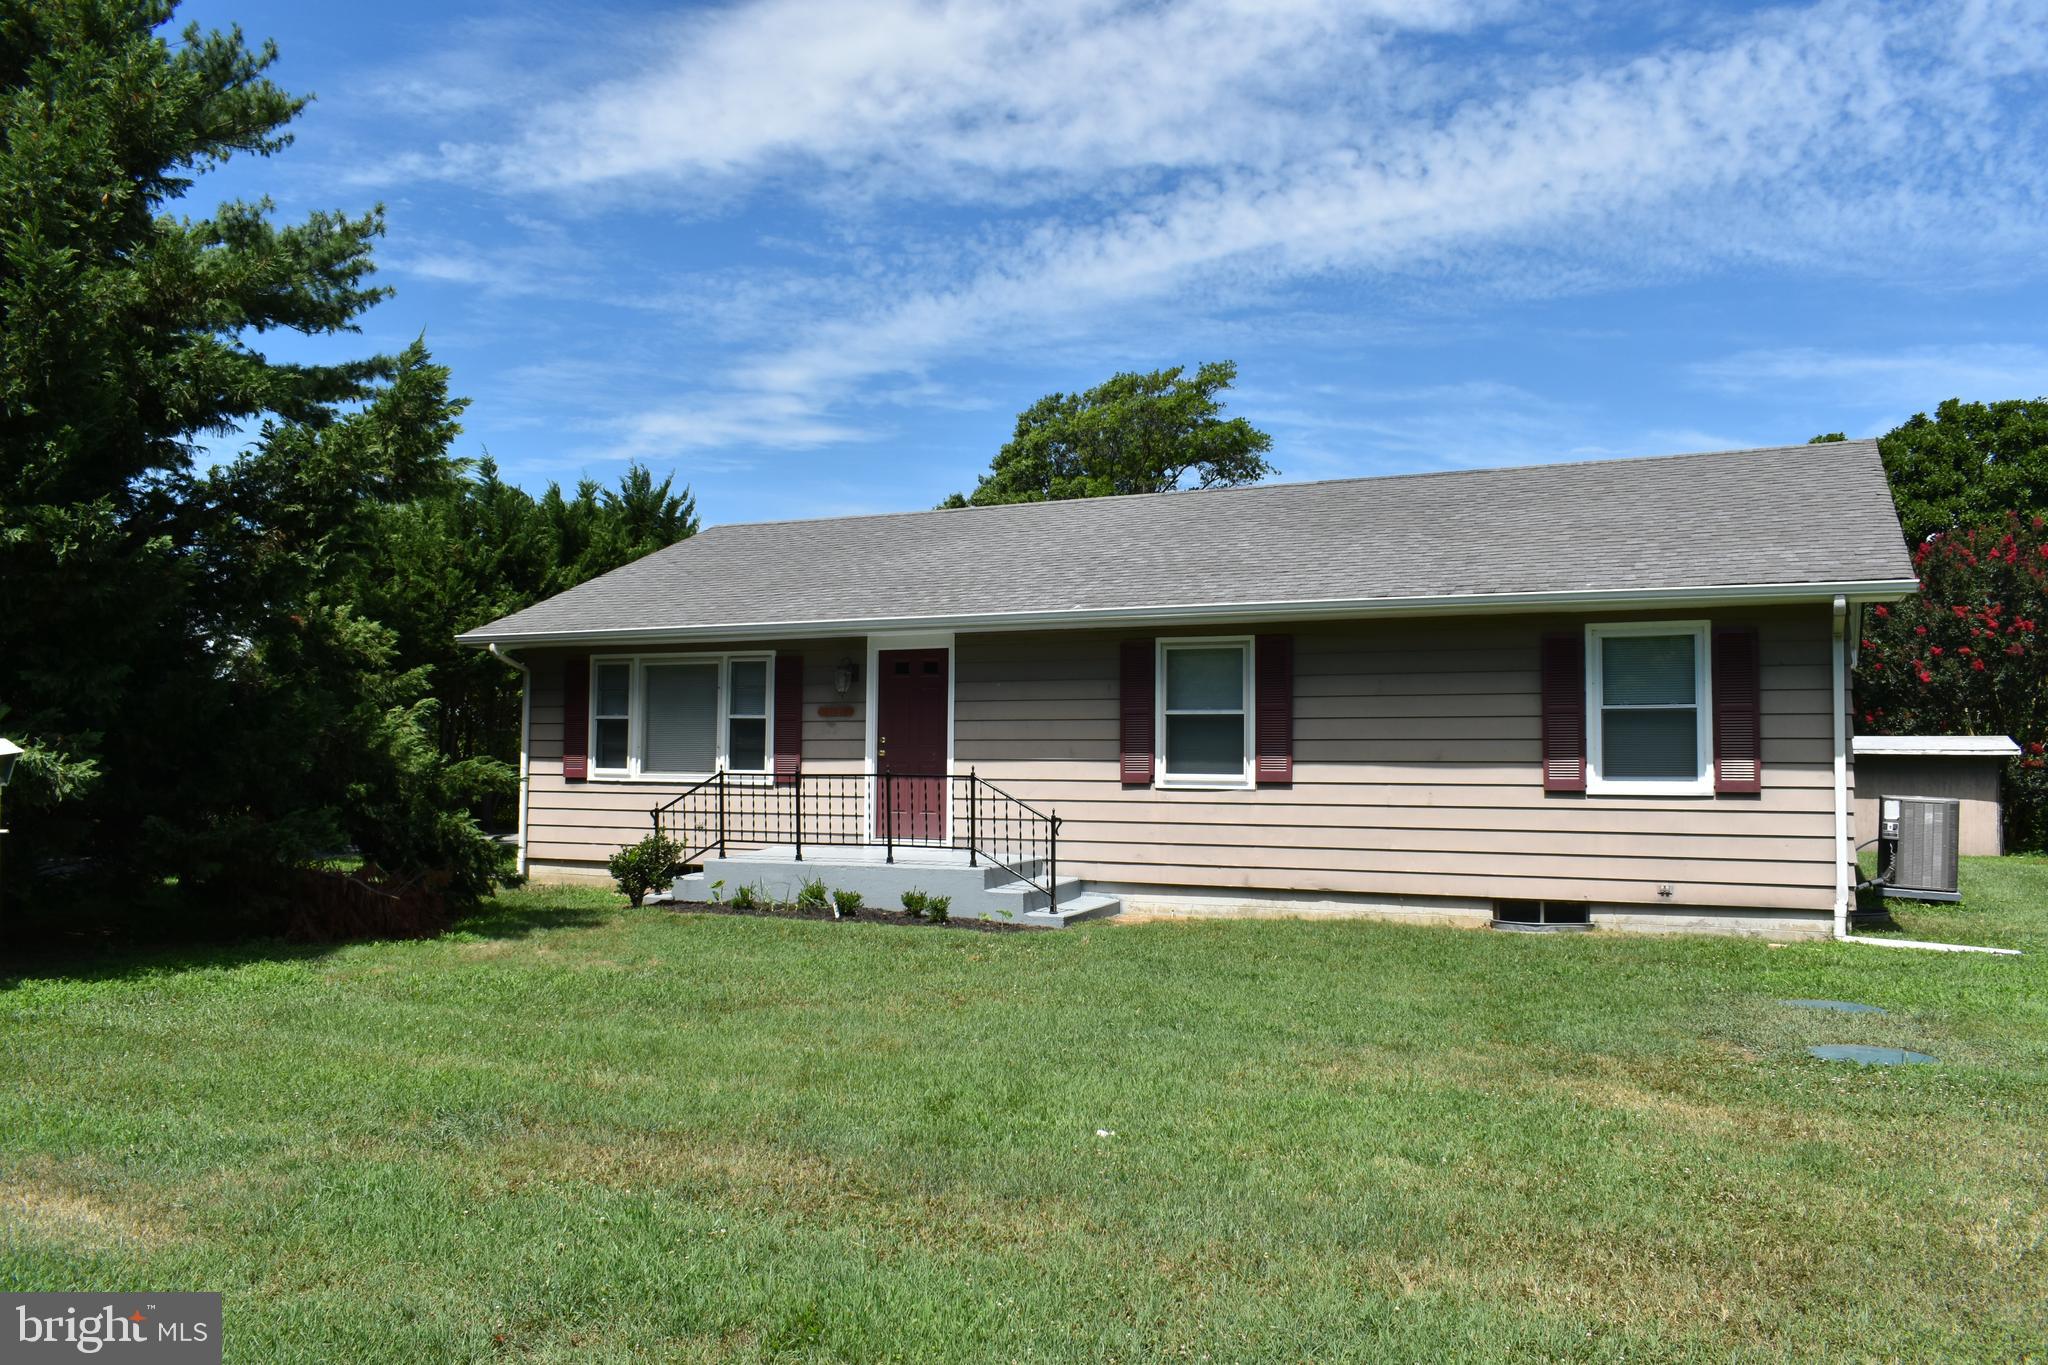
(1702, 782)
(1168, 644)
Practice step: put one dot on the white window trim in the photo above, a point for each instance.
(636, 714)
(1164, 779)
(1701, 783)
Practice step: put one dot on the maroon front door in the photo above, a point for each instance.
(910, 745)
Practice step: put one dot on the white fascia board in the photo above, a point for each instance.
(1229, 613)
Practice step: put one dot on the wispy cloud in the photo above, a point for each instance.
(1013, 101)
(776, 421)
(1981, 371)
(1049, 172)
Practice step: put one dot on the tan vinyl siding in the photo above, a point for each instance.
(1416, 773)
(586, 822)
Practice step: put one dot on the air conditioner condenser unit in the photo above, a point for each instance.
(1917, 840)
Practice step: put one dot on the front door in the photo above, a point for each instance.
(910, 745)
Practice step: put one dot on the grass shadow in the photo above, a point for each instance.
(114, 961)
(500, 921)
(112, 956)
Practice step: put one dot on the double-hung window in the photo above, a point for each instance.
(611, 709)
(746, 715)
(1205, 713)
(1647, 701)
(680, 716)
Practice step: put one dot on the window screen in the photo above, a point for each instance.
(610, 694)
(1649, 707)
(747, 716)
(1204, 714)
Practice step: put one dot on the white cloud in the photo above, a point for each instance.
(777, 421)
(1977, 372)
(1009, 100)
(1764, 146)
(1048, 172)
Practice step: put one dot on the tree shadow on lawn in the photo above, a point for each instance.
(495, 919)
(109, 958)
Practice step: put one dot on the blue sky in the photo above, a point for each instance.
(814, 255)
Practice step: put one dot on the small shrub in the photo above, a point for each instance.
(649, 865)
(813, 896)
(914, 903)
(746, 898)
(846, 902)
(936, 908)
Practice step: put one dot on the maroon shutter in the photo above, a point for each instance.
(789, 717)
(1564, 713)
(576, 718)
(1738, 711)
(1273, 726)
(1136, 710)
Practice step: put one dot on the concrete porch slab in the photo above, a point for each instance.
(980, 889)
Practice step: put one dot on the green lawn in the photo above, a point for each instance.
(578, 1132)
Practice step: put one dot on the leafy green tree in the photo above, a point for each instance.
(1968, 465)
(1134, 433)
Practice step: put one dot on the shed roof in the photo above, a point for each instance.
(1781, 523)
(1938, 746)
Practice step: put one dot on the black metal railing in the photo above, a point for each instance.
(959, 811)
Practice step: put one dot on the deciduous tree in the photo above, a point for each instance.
(1133, 433)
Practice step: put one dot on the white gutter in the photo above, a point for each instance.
(1845, 849)
(1747, 594)
(525, 729)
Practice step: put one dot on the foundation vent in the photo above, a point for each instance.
(1542, 916)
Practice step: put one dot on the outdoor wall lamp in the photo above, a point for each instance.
(843, 677)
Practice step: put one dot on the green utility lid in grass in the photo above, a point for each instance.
(1867, 1056)
(1844, 1006)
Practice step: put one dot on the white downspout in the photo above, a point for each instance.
(525, 729)
(1845, 847)
(1838, 714)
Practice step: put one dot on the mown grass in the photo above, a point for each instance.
(573, 1131)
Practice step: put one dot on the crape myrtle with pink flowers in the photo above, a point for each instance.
(1966, 655)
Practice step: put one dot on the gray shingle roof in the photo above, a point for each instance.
(1797, 517)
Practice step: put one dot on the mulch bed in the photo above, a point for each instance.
(868, 915)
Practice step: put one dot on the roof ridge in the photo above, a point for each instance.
(1299, 483)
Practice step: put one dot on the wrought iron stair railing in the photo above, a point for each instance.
(959, 811)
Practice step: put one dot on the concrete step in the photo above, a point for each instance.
(1026, 895)
(1086, 906)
